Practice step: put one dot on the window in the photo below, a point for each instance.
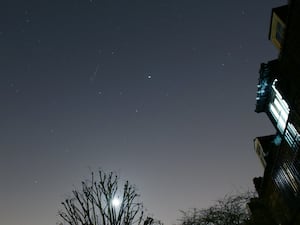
(278, 108)
(292, 136)
(289, 174)
(279, 32)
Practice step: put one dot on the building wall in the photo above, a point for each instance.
(290, 58)
(279, 97)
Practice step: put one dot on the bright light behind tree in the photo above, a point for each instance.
(116, 202)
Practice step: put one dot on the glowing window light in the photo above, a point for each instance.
(293, 131)
(279, 97)
(274, 112)
(279, 109)
(290, 178)
(292, 136)
(277, 104)
(281, 124)
(289, 139)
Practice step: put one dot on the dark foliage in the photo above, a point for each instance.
(231, 210)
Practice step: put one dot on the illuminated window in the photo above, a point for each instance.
(286, 179)
(292, 136)
(279, 108)
(290, 177)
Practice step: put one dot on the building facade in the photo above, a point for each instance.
(278, 95)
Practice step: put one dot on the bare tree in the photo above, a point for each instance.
(102, 202)
(231, 210)
(151, 221)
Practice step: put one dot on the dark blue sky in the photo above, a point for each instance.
(162, 92)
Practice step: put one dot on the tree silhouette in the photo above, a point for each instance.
(231, 210)
(101, 201)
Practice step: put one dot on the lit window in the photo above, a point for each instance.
(289, 175)
(279, 108)
(292, 136)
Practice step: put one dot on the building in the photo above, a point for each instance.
(278, 95)
(278, 26)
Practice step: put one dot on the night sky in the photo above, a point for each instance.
(160, 91)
